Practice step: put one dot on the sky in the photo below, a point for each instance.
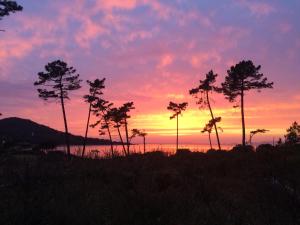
(152, 52)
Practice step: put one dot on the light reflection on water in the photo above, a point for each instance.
(105, 150)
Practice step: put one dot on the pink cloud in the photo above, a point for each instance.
(298, 43)
(199, 59)
(140, 34)
(165, 60)
(123, 4)
(89, 30)
(187, 17)
(258, 8)
(285, 27)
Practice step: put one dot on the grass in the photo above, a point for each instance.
(189, 189)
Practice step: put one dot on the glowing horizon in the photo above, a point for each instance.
(152, 52)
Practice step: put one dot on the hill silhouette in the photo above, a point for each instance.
(24, 130)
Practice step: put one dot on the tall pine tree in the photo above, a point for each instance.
(241, 78)
(57, 80)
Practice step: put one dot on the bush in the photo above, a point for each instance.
(155, 154)
(241, 148)
(183, 152)
(265, 148)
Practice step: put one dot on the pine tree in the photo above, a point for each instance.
(57, 80)
(102, 110)
(209, 126)
(140, 133)
(7, 7)
(177, 109)
(293, 134)
(201, 93)
(243, 77)
(95, 91)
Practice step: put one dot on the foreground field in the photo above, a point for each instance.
(184, 189)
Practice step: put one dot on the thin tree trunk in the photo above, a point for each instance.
(65, 119)
(86, 130)
(66, 127)
(243, 117)
(110, 138)
(144, 139)
(127, 138)
(250, 139)
(118, 128)
(212, 116)
(177, 134)
(209, 140)
(109, 133)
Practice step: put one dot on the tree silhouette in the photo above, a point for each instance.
(177, 108)
(293, 134)
(101, 110)
(254, 132)
(117, 117)
(209, 126)
(140, 133)
(241, 78)
(57, 80)
(95, 90)
(201, 93)
(124, 110)
(7, 7)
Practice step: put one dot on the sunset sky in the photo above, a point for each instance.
(152, 52)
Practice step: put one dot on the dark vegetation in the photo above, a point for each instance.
(188, 188)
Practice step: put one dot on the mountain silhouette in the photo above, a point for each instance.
(24, 130)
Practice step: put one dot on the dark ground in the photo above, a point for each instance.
(188, 189)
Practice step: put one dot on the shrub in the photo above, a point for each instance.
(241, 148)
(183, 151)
(265, 148)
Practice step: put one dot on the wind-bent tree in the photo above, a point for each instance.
(95, 91)
(254, 132)
(101, 110)
(177, 109)
(117, 117)
(124, 110)
(201, 93)
(293, 134)
(243, 77)
(57, 80)
(140, 133)
(209, 126)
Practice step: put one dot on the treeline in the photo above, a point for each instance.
(241, 78)
(58, 79)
